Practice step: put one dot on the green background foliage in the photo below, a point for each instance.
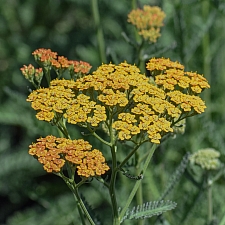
(193, 34)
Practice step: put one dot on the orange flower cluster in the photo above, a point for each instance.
(148, 21)
(81, 67)
(53, 152)
(124, 96)
(49, 58)
(44, 56)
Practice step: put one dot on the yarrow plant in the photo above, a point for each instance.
(148, 21)
(128, 106)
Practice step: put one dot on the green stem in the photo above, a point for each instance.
(209, 198)
(137, 184)
(100, 36)
(141, 61)
(81, 207)
(206, 52)
(139, 198)
(134, 4)
(61, 125)
(47, 75)
(80, 212)
(99, 138)
(112, 191)
(139, 195)
(129, 156)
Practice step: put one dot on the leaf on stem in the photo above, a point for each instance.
(149, 209)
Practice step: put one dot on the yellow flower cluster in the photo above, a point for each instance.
(121, 85)
(171, 74)
(60, 98)
(161, 64)
(55, 99)
(124, 96)
(148, 21)
(85, 111)
(53, 152)
(181, 87)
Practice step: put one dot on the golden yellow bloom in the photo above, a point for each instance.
(170, 75)
(148, 21)
(119, 95)
(55, 99)
(151, 34)
(161, 64)
(187, 102)
(124, 135)
(198, 82)
(53, 152)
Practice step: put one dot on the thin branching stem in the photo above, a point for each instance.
(210, 200)
(112, 190)
(138, 182)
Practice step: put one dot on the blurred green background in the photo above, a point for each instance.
(194, 34)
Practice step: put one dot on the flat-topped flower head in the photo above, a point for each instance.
(44, 56)
(171, 76)
(80, 66)
(55, 99)
(124, 96)
(53, 152)
(147, 21)
(51, 60)
(161, 64)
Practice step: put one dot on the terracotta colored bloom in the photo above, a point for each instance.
(44, 56)
(50, 60)
(80, 66)
(147, 21)
(53, 152)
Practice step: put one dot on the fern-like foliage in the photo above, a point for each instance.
(149, 209)
(176, 175)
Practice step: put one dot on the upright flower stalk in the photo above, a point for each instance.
(147, 22)
(100, 36)
(121, 101)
